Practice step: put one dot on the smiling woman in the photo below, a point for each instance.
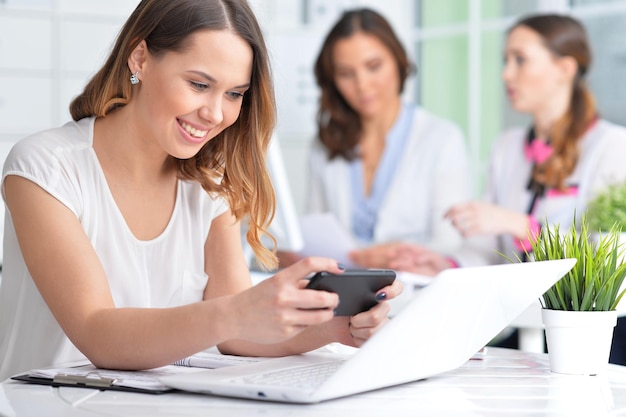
(123, 240)
(200, 91)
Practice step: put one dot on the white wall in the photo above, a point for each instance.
(49, 48)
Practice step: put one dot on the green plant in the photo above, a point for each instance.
(607, 208)
(594, 282)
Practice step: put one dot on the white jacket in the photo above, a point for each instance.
(602, 160)
(432, 176)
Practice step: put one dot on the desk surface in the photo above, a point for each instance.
(504, 382)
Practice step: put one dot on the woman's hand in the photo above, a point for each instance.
(364, 325)
(280, 307)
(279, 316)
(478, 218)
(418, 260)
(377, 256)
(356, 330)
(286, 258)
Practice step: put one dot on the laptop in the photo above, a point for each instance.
(440, 328)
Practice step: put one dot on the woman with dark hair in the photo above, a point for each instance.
(388, 170)
(122, 242)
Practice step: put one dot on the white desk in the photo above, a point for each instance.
(504, 382)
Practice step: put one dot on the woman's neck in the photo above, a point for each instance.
(543, 126)
(545, 119)
(382, 123)
(122, 148)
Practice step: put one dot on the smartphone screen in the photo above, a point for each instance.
(356, 288)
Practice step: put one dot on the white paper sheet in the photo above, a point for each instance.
(215, 360)
(149, 379)
(325, 237)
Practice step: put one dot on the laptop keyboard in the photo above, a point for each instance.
(305, 376)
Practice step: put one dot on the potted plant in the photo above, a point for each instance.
(579, 311)
(607, 208)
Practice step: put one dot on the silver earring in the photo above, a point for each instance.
(134, 79)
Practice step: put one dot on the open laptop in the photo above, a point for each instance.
(441, 327)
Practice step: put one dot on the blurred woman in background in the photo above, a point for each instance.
(387, 169)
(544, 174)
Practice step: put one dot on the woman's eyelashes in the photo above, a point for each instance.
(518, 59)
(201, 87)
(370, 67)
(374, 66)
(344, 74)
(235, 95)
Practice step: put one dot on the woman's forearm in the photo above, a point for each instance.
(142, 338)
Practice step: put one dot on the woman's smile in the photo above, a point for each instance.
(193, 134)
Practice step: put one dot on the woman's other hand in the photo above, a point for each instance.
(357, 329)
(377, 256)
(287, 258)
(478, 218)
(419, 260)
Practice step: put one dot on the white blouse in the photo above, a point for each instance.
(601, 162)
(432, 176)
(162, 272)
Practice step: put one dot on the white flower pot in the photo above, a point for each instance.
(579, 342)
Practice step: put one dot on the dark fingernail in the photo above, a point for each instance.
(340, 266)
(381, 296)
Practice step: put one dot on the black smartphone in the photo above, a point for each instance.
(356, 288)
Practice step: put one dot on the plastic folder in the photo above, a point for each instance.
(87, 376)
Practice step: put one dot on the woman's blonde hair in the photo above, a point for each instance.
(232, 164)
(565, 36)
